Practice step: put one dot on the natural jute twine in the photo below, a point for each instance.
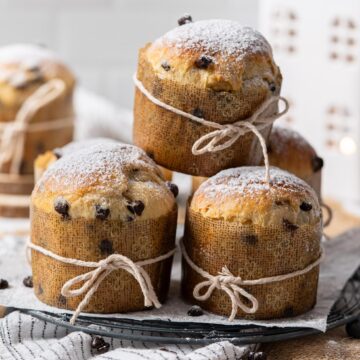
(214, 140)
(232, 285)
(92, 279)
(12, 138)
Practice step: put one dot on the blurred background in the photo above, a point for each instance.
(316, 44)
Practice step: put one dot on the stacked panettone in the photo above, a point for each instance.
(104, 218)
(36, 114)
(207, 94)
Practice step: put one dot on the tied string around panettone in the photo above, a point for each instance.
(13, 134)
(233, 285)
(91, 280)
(225, 135)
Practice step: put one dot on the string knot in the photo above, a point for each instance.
(91, 280)
(233, 285)
(230, 284)
(225, 135)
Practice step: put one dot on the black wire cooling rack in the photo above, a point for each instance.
(345, 310)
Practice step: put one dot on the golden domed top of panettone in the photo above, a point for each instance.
(218, 54)
(23, 69)
(290, 151)
(43, 161)
(106, 180)
(242, 195)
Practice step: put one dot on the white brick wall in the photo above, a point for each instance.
(100, 38)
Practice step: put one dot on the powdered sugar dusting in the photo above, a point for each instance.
(84, 144)
(224, 37)
(27, 54)
(251, 181)
(103, 165)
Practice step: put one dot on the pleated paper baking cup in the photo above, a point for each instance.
(94, 240)
(169, 137)
(253, 252)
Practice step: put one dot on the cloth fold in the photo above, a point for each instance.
(24, 337)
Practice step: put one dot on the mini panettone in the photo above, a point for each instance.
(108, 206)
(252, 250)
(36, 114)
(43, 161)
(215, 70)
(289, 151)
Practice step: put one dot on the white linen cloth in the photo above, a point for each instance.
(23, 337)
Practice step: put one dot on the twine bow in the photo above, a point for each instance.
(232, 285)
(228, 283)
(91, 280)
(214, 141)
(12, 139)
(226, 135)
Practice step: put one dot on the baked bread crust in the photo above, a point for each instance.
(23, 69)
(108, 198)
(241, 76)
(290, 151)
(235, 220)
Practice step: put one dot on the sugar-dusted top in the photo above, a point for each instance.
(218, 54)
(83, 144)
(225, 37)
(106, 172)
(242, 194)
(27, 54)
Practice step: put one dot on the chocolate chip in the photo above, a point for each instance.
(317, 163)
(195, 311)
(173, 188)
(165, 65)
(289, 312)
(250, 239)
(289, 225)
(136, 207)
(3, 284)
(198, 112)
(304, 206)
(129, 218)
(100, 345)
(106, 247)
(62, 207)
(272, 87)
(28, 282)
(58, 153)
(150, 154)
(203, 62)
(185, 19)
(252, 355)
(101, 212)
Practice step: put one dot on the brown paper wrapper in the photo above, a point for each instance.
(168, 137)
(37, 142)
(253, 252)
(93, 240)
